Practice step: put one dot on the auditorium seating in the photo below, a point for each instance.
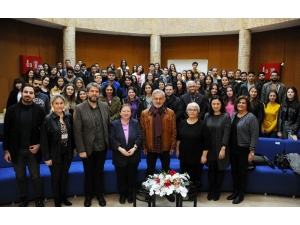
(263, 179)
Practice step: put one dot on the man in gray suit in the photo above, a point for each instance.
(91, 125)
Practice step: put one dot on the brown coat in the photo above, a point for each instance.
(168, 129)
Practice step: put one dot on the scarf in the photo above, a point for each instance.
(157, 113)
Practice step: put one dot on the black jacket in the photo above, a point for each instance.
(174, 103)
(293, 116)
(12, 131)
(12, 98)
(51, 136)
(200, 99)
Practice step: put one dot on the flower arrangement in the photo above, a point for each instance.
(167, 183)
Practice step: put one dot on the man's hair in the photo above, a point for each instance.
(70, 69)
(158, 91)
(93, 84)
(275, 71)
(195, 63)
(261, 73)
(83, 64)
(190, 82)
(251, 72)
(36, 78)
(165, 68)
(151, 64)
(112, 72)
(169, 85)
(244, 73)
(26, 85)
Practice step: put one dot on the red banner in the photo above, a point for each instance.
(29, 62)
(268, 68)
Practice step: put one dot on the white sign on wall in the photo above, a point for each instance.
(186, 64)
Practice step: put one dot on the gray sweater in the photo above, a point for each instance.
(247, 131)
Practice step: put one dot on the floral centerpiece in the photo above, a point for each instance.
(167, 183)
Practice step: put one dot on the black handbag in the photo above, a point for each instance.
(260, 160)
(281, 161)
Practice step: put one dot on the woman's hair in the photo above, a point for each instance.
(26, 78)
(78, 99)
(142, 68)
(105, 87)
(18, 81)
(158, 65)
(122, 61)
(240, 98)
(208, 94)
(201, 84)
(53, 98)
(76, 79)
(226, 98)
(183, 86)
(256, 101)
(172, 64)
(134, 70)
(129, 78)
(64, 92)
(39, 73)
(193, 104)
(60, 78)
(218, 97)
(144, 87)
(206, 77)
(192, 77)
(49, 68)
(268, 100)
(147, 77)
(295, 100)
(132, 88)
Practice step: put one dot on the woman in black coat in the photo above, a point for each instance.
(289, 116)
(126, 137)
(58, 147)
(15, 94)
(257, 107)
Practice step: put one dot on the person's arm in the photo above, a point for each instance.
(117, 108)
(78, 132)
(254, 132)
(143, 127)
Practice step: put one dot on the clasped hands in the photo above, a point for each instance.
(127, 153)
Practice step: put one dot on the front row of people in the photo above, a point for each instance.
(217, 141)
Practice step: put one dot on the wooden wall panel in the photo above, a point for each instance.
(278, 46)
(106, 49)
(221, 51)
(18, 38)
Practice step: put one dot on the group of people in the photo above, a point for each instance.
(202, 118)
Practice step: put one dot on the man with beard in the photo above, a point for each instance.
(21, 143)
(40, 98)
(173, 102)
(69, 77)
(192, 96)
(91, 125)
(260, 83)
(274, 84)
(158, 125)
(232, 81)
(78, 72)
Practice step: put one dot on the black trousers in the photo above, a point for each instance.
(151, 161)
(59, 175)
(215, 176)
(25, 157)
(193, 170)
(239, 170)
(126, 178)
(93, 167)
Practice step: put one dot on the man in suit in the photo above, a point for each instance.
(91, 125)
(21, 143)
(192, 96)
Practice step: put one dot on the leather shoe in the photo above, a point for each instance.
(39, 203)
(238, 199)
(130, 199)
(23, 203)
(87, 201)
(122, 199)
(102, 201)
(170, 198)
(210, 195)
(233, 195)
(216, 195)
(65, 201)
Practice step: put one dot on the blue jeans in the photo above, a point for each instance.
(26, 157)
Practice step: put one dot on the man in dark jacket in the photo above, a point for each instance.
(192, 96)
(21, 143)
(173, 102)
